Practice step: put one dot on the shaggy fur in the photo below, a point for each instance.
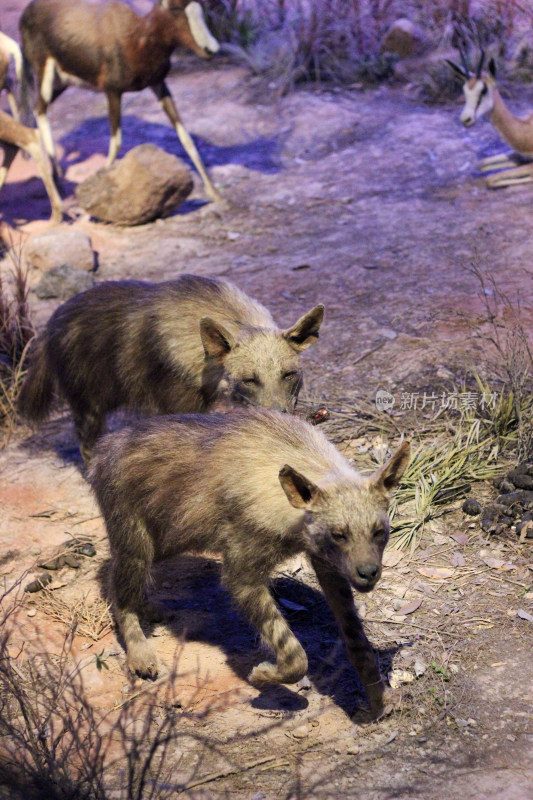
(179, 346)
(256, 487)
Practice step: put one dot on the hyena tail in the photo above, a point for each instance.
(38, 389)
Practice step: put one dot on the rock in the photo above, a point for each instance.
(57, 247)
(405, 39)
(301, 731)
(144, 185)
(494, 510)
(505, 486)
(471, 507)
(63, 282)
(520, 479)
(42, 580)
(520, 496)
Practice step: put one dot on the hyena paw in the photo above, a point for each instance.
(382, 700)
(266, 672)
(142, 661)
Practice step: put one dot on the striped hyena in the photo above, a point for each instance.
(179, 346)
(257, 487)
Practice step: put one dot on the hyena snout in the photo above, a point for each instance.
(366, 575)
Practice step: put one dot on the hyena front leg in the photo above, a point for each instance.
(338, 593)
(258, 605)
(132, 560)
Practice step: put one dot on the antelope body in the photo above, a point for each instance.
(256, 487)
(179, 346)
(109, 48)
(482, 98)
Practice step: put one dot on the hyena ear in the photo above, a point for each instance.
(305, 331)
(387, 477)
(301, 492)
(217, 341)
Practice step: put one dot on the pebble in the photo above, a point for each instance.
(471, 507)
(32, 612)
(301, 731)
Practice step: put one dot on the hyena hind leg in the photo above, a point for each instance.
(258, 605)
(130, 574)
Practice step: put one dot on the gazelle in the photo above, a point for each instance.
(482, 97)
(13, 137)
(10, 49)
(107, 47)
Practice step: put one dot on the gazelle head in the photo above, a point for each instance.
(478, 88)
(190, 26)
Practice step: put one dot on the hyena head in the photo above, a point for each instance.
(260, 367)
(347, 525)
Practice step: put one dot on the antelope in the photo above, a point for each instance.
(10, 49)
(109, 48)
(13, 137)
(483, 98)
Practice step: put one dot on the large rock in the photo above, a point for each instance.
(57, 247)
(405, 39)
(145, 185)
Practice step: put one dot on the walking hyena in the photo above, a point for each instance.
(178, 346)
(257, 487)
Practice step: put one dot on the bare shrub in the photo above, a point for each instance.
(55, 744)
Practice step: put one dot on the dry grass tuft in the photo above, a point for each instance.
(16, 332)
(89, 618)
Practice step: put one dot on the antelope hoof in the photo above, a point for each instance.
(142, 661)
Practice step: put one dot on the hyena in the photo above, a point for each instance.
(184, 345)
(256, 487)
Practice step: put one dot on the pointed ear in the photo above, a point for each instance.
(457, 69)
(217, 341)
(492, 68)
(387, 477)
(301, 492)
(305, 331)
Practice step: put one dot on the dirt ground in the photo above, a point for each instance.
(369, 202)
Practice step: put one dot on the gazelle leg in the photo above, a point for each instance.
(46, 95)
(511, 177)
(167, 103)
(500, 161)
(10, 151)
(13, 105)
(113, 105)
(45, 171)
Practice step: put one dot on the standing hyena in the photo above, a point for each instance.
(178, 346)
(256, 487)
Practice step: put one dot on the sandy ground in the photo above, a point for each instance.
(370, 203)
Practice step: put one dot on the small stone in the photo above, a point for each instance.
(63, 281)
(506, 486)
(42, 580)
(471, 507)
(301, 731)
(520, 479)
(353, 750)
(32, 612)
(404, 39)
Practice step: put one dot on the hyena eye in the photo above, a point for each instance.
(381, 533)
(290, 376)
(249, 381)
(339, 536)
